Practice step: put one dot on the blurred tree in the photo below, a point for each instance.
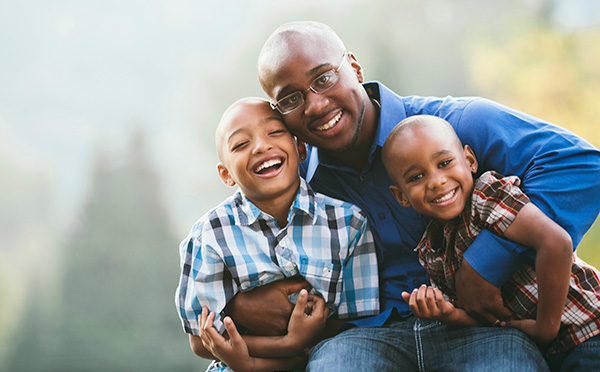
(539, 68)
(116, 309)
(542, 70)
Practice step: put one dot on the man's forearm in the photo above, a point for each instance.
(248, 308)
(282, 346)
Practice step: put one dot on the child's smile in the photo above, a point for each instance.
(269, 167)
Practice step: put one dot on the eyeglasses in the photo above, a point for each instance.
(321, 84)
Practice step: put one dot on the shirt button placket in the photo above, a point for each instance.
(289, 267)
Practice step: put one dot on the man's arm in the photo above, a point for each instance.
(304, 327)
(560, 174)
(266, 310)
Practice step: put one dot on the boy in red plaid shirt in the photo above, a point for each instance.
(556, 302)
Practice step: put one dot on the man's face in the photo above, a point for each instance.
(330, 120)
(432, 173)
(258, 153)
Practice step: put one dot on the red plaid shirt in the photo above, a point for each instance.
(495, 202)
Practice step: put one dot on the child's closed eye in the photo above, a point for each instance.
(239, 145)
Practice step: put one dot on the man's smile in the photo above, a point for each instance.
(331, 123)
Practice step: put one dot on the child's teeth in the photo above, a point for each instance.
(267, 164)
(445, 197)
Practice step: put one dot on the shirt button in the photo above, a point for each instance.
(363, 177)
(326, 271)
(381, 216)
(417, 282)
(289, 267)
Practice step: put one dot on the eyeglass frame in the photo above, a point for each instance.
(275, 105)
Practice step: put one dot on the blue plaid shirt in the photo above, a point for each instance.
(237, 247)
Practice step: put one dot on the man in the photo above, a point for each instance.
(318, 87)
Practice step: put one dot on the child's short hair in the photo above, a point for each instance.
(410, 123)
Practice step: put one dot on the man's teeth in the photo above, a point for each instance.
(267, 164)
(331, 123)
(446, 197)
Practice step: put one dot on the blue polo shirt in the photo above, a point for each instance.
(560, 173)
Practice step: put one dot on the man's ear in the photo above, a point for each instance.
(225, 176)
(302, 154)
(399, 195)
(471, 159)
(356, 67)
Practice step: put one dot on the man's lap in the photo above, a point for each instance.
(584, 357)
(418, 345)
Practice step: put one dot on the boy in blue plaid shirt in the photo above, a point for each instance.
(274, 227)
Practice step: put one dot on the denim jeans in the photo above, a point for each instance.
(584, 357)
(421, 345)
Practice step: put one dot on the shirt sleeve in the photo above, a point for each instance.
(559, 170)
(496, 201)
(205, 281)
(360, 293)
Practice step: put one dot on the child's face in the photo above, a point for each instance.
(433, 174)
(258, 153)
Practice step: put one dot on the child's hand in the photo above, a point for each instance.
(232, 351)
(539, 333)
(429, 303)
(305, 325)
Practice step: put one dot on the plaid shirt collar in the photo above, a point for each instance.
(246, 213)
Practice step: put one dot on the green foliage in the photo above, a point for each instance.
(588, 249)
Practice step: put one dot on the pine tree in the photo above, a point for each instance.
(116, 309)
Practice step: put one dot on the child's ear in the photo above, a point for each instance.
(399, 195)
(225, 176)
(471, 159)
(302, 154)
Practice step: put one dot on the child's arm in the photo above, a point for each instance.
(553, 262)
(234, 351)
(254, 352)
(429, 303)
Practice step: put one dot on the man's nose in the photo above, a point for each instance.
(315, 103)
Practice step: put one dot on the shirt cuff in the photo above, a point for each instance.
(495, 258)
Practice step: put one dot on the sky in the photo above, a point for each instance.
(76, 73)
(79, 75)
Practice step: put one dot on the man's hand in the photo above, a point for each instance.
(478, 297)
(266, 310)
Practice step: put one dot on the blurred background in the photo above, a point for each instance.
(107, 118)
